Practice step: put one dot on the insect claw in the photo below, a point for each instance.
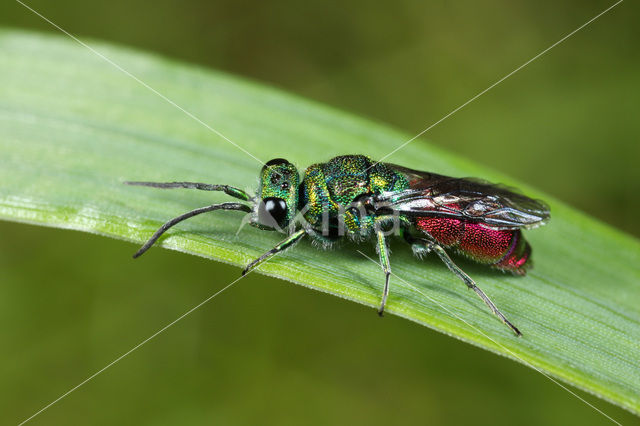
(250, 266)
(515, 329)
(139, 253)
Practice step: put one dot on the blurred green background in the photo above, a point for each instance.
(269, 352)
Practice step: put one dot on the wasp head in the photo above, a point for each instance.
(277, 194)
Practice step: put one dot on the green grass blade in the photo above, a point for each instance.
(73, 128)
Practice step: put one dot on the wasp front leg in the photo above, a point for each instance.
(285, 244)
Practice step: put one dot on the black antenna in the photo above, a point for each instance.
(229, 190)
(176, 220)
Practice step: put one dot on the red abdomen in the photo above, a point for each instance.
(503, 249)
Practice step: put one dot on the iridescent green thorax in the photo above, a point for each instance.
(334, 186)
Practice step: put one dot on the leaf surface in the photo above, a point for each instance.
(73, 128)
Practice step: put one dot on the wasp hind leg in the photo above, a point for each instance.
(421, 247)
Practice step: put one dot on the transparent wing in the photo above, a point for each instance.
(469, 199)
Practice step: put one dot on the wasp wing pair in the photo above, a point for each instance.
(466, 199)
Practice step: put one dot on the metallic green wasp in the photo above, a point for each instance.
(354, 197)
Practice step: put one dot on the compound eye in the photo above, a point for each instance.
(272, 212)
(276, 162)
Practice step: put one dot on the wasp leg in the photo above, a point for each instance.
(288, 242)
(383, 226)
(427, 246)
(383, 251)
(176, 220)
(229, 190)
